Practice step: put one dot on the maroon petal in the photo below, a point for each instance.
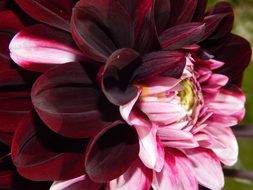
(6, 138)
(5, 39)
(219, 21)
(69, 102)
(3, 4)
(235, 52)
(15, 102)
(47, 12)
(200, 11)
(162, 14)
(117, 75)
(7, 171)
(182, 35)
(165, 63)
(111, 152)
(101, 26)
(10, 22)
(182, 11)
(146, 37)
(40, 47)
(40, 155)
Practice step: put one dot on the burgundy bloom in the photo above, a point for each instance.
(131, 94)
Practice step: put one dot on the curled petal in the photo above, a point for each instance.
(116, 76)
(40, 154)
(111, 152)
(47, 12)
(40, 47)
(87, 113)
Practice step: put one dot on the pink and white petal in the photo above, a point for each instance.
(79, 183)
(216, 81)
(165, 133)
(207, 168)
(151, 150)
(228, 153)
(40, 47)
(137, 177)
(126, 109)
(229, 102)
(177, 173)
(181, 144)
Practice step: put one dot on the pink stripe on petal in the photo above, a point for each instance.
(207, 168)
(82, 182)
(40, 47)
(177, 173)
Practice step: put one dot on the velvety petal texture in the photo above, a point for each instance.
(41, 155)
(117, 147)
(87, 112)
(15, 103)
(48, 12)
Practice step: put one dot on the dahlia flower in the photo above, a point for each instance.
(127, 94)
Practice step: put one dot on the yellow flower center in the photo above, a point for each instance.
(187, 95)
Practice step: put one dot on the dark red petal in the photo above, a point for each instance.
(235, 52)
(182, 35)
(40, 47)
(162, 14)
(3, 4)
(219, 21)
(40, 155)
(146, 38)
(47, 12)
(15, 101)
(10, 22)
(200, 11)
(6, 138)
(7, 171)
(117, 75)
(101, 26)
(182, 11)
(111, 152)
(165, 63)
(70, 104)
(5, 39)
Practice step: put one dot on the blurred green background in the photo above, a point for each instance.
(243, 26)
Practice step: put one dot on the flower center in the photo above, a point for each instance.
(187, 95)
